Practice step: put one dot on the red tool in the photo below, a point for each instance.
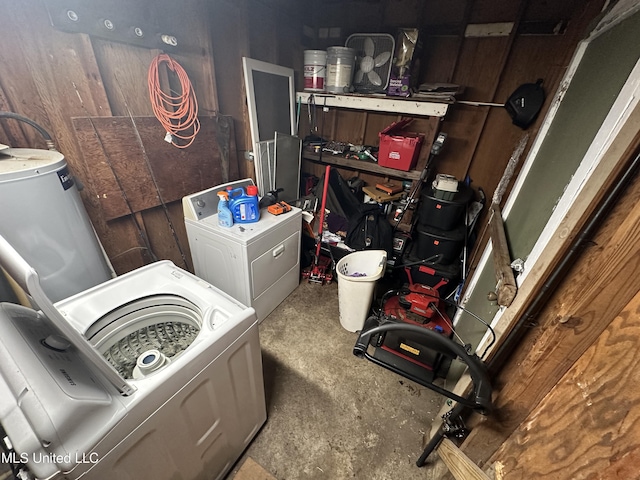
(420, 305)
(321, 271)
(422, 300)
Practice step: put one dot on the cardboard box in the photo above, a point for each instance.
(399, 149)
(379, 196)
(399, 85)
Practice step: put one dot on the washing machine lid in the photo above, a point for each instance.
(29, 281)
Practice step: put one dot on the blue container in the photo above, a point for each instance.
(244, 207)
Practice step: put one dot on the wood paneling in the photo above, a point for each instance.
(481, 139)
(56, 76)
(229, 43)
(444, 13)
(589, 424)
(480, 67)
(267, 31)
(135, 169)
(169, 234)
(12, 89)
(124, 72)
(439, 58)
(196, 53)
(263, 33)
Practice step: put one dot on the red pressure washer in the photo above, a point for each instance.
(321, 271)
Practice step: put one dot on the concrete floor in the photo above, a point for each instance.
(332, 415)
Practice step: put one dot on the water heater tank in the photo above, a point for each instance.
(42, 216)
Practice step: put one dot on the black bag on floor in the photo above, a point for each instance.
(370, 230)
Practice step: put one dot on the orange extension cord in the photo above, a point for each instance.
(177, 114)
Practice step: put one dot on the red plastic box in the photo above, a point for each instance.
(399, 149)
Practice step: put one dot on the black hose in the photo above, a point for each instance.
(41, 130)
(429, 260)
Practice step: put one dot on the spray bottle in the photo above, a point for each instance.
(225, 218)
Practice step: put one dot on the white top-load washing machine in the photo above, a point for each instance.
(155, 374)
(256, 263)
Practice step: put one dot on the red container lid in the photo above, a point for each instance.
(399, 125)
(252, 190)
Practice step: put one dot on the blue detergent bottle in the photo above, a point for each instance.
(244, 207)
(225, 218)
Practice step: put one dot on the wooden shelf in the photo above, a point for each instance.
(408, 106)
(361, 165)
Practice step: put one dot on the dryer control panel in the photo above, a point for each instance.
(203, 204)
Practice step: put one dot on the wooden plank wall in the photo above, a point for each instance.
(56, 76)
(480, 139)
(589, 424)
(127, 154)
(268, 30)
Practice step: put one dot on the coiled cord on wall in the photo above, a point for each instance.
(178, 114)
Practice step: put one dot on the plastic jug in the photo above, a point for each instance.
(225, 218)
(244, 207)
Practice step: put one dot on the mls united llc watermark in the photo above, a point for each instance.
(39, 457)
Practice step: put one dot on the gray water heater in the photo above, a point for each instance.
(42, 216)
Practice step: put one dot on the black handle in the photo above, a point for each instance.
(480, 398)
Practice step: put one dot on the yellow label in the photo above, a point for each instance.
(409, 349)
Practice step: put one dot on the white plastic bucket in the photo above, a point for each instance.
(315, 67)
(357, 276)
(340, 68)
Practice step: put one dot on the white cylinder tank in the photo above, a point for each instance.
(42, 216)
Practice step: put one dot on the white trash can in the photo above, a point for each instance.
(357, 276)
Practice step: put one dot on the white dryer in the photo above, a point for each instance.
(256, 263)
(154, 374)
